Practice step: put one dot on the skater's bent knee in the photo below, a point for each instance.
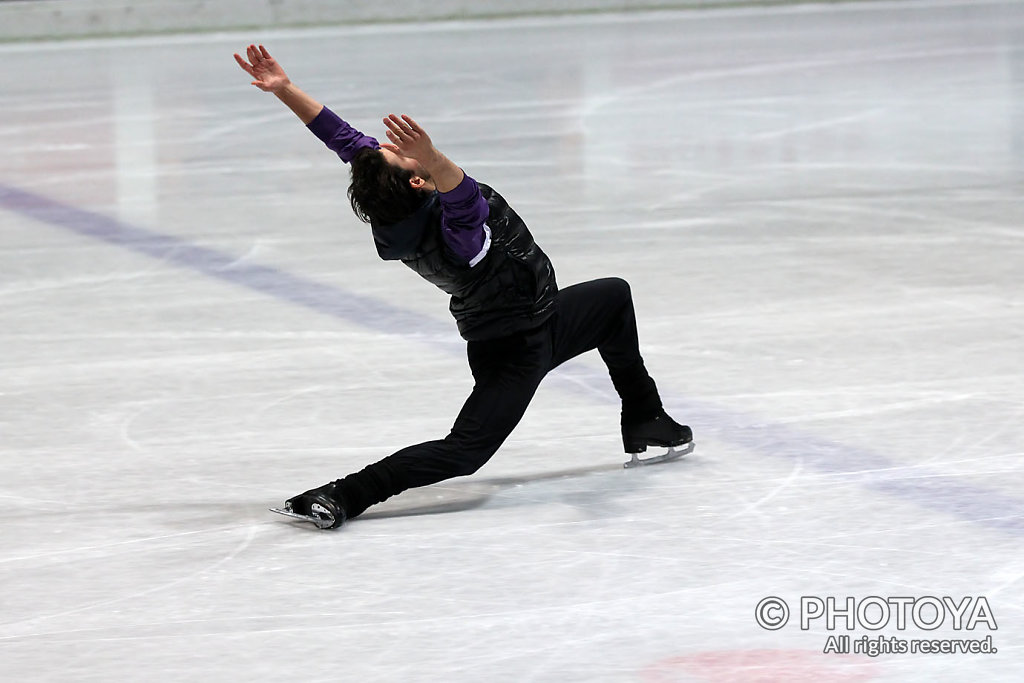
(470, 463)
(467, 455)
(616, 284)
(617, 289)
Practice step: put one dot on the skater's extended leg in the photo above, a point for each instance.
(507, 372)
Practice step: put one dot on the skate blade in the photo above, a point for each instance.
(319, 522)
(672, 454)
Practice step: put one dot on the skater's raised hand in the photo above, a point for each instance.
(409, 139)
(267, 74)
(270, 77)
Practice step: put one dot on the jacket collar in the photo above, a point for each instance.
(400, 240)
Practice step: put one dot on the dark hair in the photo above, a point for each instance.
(379, 192)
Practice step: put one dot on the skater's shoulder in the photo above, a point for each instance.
(491, 196)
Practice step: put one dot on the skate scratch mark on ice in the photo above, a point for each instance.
(102, 546)
(878, 409)
(126, 426)
(859, 58)
(249, 536)
(941, 492)
(991, 592)
(794, 475)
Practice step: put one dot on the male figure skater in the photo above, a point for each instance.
(463, 237)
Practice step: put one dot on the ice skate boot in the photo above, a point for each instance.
(322, 506)
(661, 430)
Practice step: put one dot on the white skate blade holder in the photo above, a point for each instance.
(672, 454)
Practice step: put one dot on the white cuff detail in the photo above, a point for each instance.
(483, 250)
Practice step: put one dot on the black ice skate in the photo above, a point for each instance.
(661, 430)
(321, 506)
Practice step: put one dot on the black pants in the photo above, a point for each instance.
(507, 371)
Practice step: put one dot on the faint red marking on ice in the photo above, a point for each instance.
(761, 666)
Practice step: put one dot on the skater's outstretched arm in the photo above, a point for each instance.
(268, 76)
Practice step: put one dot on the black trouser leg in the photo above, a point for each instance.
(600, 315)
(507, 372)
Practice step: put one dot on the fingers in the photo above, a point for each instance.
(402, 129)
(394, 127)
(394, 132)
(257, 55)
(244, 64)
(415, 127)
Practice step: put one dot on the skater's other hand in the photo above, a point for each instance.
(409, 139)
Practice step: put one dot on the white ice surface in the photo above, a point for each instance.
(819, 210)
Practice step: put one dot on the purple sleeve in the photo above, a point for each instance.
(464, 212)
(339, 136)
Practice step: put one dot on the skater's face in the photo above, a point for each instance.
(420, 178)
